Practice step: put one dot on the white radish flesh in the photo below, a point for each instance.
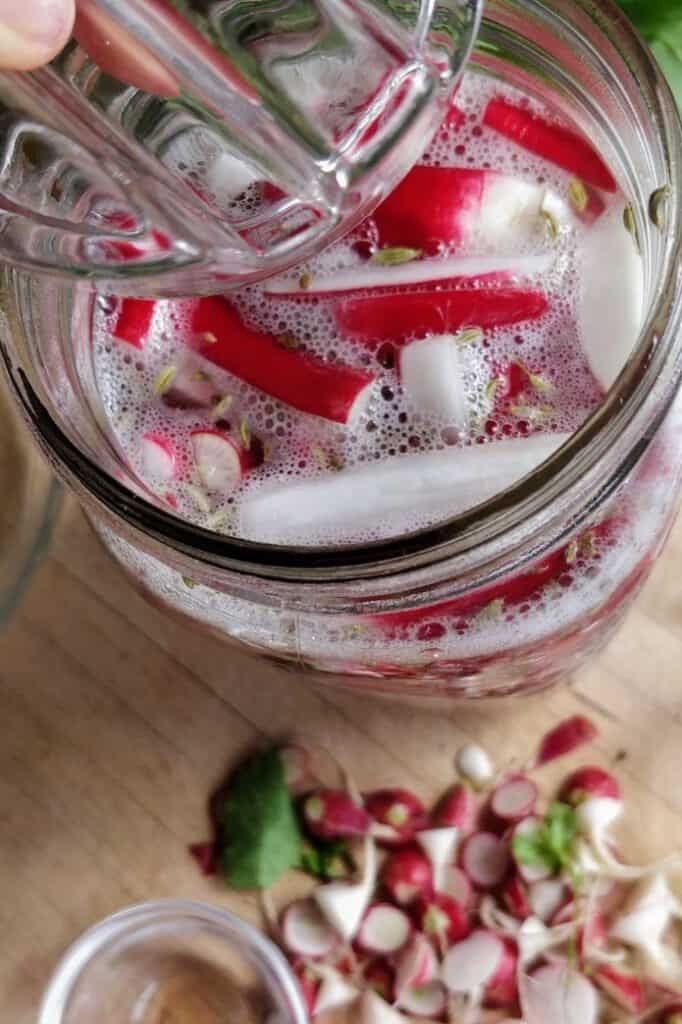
(611, 302)
(433, 377)
(536, 939)
(382, 498)
(440, 846)
(335, 991)
(426, 1001)
(306, 932)
(511, 210)
(514, 799)
(375, 1010)
(469, 965)
(158, 458)
(384, 930)
(546, 898)
(456, 885)
(344, 903)
(417, 965)
(485, 858)
(474, 764)
(558, 995)
(645, 918)
(218, 461)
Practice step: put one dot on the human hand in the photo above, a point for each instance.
(32, 32)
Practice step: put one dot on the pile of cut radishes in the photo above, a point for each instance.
(493, 906)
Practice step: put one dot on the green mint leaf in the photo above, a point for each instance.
(660, 22)
(531, 851)
(261, 838)
(561, 829)
(326, 859)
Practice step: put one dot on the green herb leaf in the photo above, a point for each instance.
(551, 844)
(261, 838)
(325, 859)
(660, 22)
(530, 850)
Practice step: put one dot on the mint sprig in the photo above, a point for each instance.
(660, 22)
(260, 837)
(549, 846)
(327, 859)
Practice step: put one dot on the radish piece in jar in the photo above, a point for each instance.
(134, 320)
(220, 461)
(158, 458)
(433, 377)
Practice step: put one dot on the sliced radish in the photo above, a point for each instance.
(443, 919)
(425, 1001)
(457, 885)
(344, 903)
(514, 799)
(453, 270)
(557, 993)
(626, 990)
(192, 387)
(501, 991)
(308, 983)
(417, 965)
(515, 897)
(461, 206)
(485, 858)
(334, 992)
(407, 875)
(611, 297)
(134, 320)
(440, 846)
(385, 496)
(459, 809)
(529, 872)
(561, 146)
(399, 810)
(158, 458)
(306, 932)
(647, 914)
(218, 459)
(433, 376)
(297, 765)
(564, 738)
(385, 930)
(587, 782)
(469, 965)
(546, 898)
(332, 814)
(475, 764)
(380, 975)
(375, 1010)
(399, 318)
(331, 391)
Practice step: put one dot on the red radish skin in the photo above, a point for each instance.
(471, 965)
(309, 985)
(566, 737)
(305, 931)
(514, 799)
(385, 930)
(455, 118)
(459, 809)
(330, 391)
(501, 992)
(407, 875)
(207, 856)
(559, 145)
(529, 872)
(331, 814)
(220, 461)
(624, 989)
(400, 318)
(485, 858)
(134, 321)
(588, 782)
(158, 457)
(673, 1015)
(442, 919)
(428, 1001)
(380, 977)
(417, 965)
(594, 933)
(297, 764)
(515, 898)
(398, 809)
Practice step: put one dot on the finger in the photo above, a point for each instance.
(32, 32)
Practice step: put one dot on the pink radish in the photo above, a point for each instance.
(565, 914)
(458, 809)
(380, 976)
(296, 764)
(433, 377)
(485, 858)
(308, 983)
(546, 898)
(332, 814)
(220, 461)
(514, 799)
(452, 271)
(564, 738)
(375, 1010)
(388, 495)
(464, 206)
(557, 993)
(158, 458)
(306, 933)
(561, 146)
(344, 903)
(442, 919)
(457, 886)
(207, 856)
(672, 1015)
(475, 765)
(134, 321)
(398, 809)
(440, 846)
(470, 965)
(334, 992)
(385, 930)
(626, 990)
(407, 875)
(587, 782)
(515, 897)
(611, 297)
(331, 391)
(417, 965)
(426, 1001)
(529, 872)
(501, 992)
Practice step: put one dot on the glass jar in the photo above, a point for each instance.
(508, 597)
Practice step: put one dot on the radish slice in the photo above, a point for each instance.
(561, 146)
(134, 321)
(443, 920)
(546, 898)
(407, 875)
(457, 809)
(306, 932)
(587, 782)
(565, 738)
(501, 991)
(469, 965)
(514, 799)
(384, 930)
(433, 377)
(457, 886)
(485, 858)
(515, 898)
(426, 1001)
(529, 872)
(192, 387)
(375, 1010)
(344, 903)
(334, 992)
(333, 814)
(218, 460)
(611, 305)
(558, 994)
(397, 811)
(454, 269)
(461, 206)
(626, 990)
(158, 458)
(417, 966)
(384, 497)
(440, 846)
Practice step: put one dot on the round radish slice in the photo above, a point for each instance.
(485, 858)
(457, 886)
(546, 898)
(529, 872)
(514, 799)
(471, 964)
(417, 965)
(218, 460)
(555, 993)
(305, 931)
(385, 929)
(426, 1001)
(158, 458)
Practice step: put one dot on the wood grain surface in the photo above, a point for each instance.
(116, 723)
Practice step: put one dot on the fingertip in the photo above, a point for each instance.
(32, 32)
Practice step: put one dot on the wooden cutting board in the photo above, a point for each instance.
(116, 723)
